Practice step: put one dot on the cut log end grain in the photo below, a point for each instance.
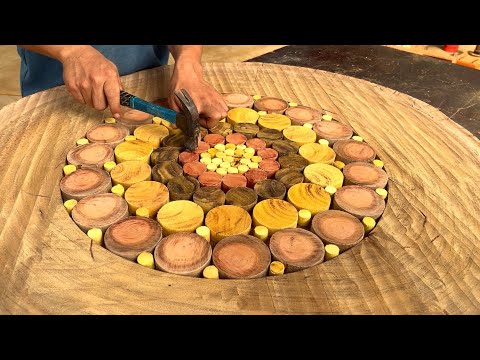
(99, 211)
(309, 196)
(243, 197)
(270, 166)
(202, 147)
(214, 139)
(359, 201)
(299, 134)
(146, 194)
(323, 175)
(94, 154)
(235, 100)
(247, 129)
(285, 147)
(338, 228)
(236, 138)
(298, 249)
(241, 257)
(180, 216)
(176, 141)
(194, 169)
(351, 151)
(128, 173)
(315, 153)
(366, 174)
(270, 189)
(227, 220)
(267, 153)
(182, 187)
(275, 215)
(332, 131)
(130, 237)
(84, 182)
(183, 254)
(269, 136)
(187, 156)
(231, 181)
(274, 121)
(166, 170)
(292, 161)
(110, 134)
(255, 175)
(152, 134)
(133, 118)
(256, 144)
(137, 150)
(209, 197)
(222, 128)
(300, 115)
(164, 154)
(271, 105)
(210, 178)
(242, 115)
(289, 177)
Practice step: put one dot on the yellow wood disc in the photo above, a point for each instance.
(274, 121)
(133, 150)
(128, 173)
(316, 153)
(151, 133)
(309, 196)
(300, 134)
(323, 175)
(146, 194)
(227, 220)
(285, 215)
(242, 115)
(180, 216)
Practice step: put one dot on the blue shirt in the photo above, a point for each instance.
(39, 72)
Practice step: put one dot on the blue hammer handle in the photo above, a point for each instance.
(136, 103)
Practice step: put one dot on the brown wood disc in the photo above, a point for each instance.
(332, 131)
(270, 189)
(214, 139)
(99, 211)
(256, 144)
(202, 147)
(131, 236)
(209, 197)
(222, 128)
(270, 166)
(133, 118)
(297, 249)
(176, 141)
(94, 154)
(164, 154)
(285, 147)
(309, 196)
(289, 177)
(246, 129)
(338, 228)
(194, 169)
(235, 100)
(183, 254)
(109, 134)
(210, 178)
(360, 201)
(365, 174)
(241, 257)
(255, 175)
(84, 182)
(166, 170)
(182, 187)
(300, 115)
(231, 181)
(275, 215)
(351, 151)
(243, 197)
(187, 156)
(293, 161)
(227, 220)
(152, 134)
(270, 105)
(128, 173)
(269, 135)
(236, 138)
(147, 194)
(268, 153)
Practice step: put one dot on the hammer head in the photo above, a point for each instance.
(187, 120)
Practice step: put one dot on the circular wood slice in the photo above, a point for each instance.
(242, 115)
(256, 144)
(297, 249)
(94, 154)
(285, 147)
(222, 128)
(332, 131)
(269, 136)
(202, 147)
(351, 151)
(131, 236)
(164, 154)
(238, 100)
(183, 254)
(274, 121)
(194, 169)
(236, 138)
(84, 182)
(299, 134)
(270, 189)
(289, 177)
(255, 175)
(270, 105)
(214, 139)
(180, 216)
(292, 161)
(152, 134)
(270, 166)
(209, 197)
(246, 129)
(268, 153)
(210, 178)
(323, 175)
(133, 150)
(241, 257)
(187, 156)
(300, 115)
(176, 141)
(309, 196)
(146, 194)
(128, 173)
(366, 174)
(243, 197)
(133, 118)
(166, 170)
(275, 215)
(182, 187)
(109, 134)
(231, 181)
(360, 201)
(227, 220)
(315, 153)
(338, 228)
(99, 211)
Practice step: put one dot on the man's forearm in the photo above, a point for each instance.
(58, 52)
(186, 53)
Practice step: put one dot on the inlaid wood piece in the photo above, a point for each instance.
(236, 100)
(210, 178)
(204, 232)
(176, 141)
(182, 187)
(247, 129)
(152, 134)
(137, 150)
(241, 257)
(146, 194)
(359, 201)
(90, 155)
(231, 181)
(183, 254)
(286, 215)
(242, 115)
(166, 170)
(256, 144)
(304, 217)
(222, 128)
(323, 175)
(365, 174)
(214, 139)
(270, 166)
(99, 211)
(269, 136)
(309, 196)
(180, 216)
(164, 154)
(194, 169)
(243, 197)
(68, 169)
(236, 138)
(209, 197)
(332, 131)
(316, 153)
(261, 232)
(96, 236)
(297, 249)
(255, 175)
(270, 105)
(268, 153)
(299, 134)
(351, 151)
(130, 237)
(109, 134)
(210, 272)
(187, 156)
(227, 220)
(338, 228)
(133, 118)
(274, 121)
(128, 173)
(289, 177)
(270, 189)
(84, 182)
(331, 251)
(146, 259)
(202, 147)
(276, 268)
(285, 147)
(300, 115)
(293, 162)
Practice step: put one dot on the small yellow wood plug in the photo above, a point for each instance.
(157, 120)
(221, 171)
(247, 155)
(338, 164)
(217, 161)
(109, 165)
(368, 223)
(204, 232)
(232, 170)
(68, 169)
(242, 146)
(242, 169)
(96, 236)
(331, 251)
(220, 155)
(130, 138)
(219, 147)
(330, 189)
(206, 155)
(304, 217)
(69, 205)
(118, 190)
(249, 150)
(323, 142)
(82, 141)
(229, 152)
(256, 159)
(308, 126)
(212, 166)
(292, 104)
(357, 138)
(210, 272)
(238, 153)
(206, 160)
(223, 120)
(378, 163)
(382, 192)
(245, 161)
(229, 159)
(143, 212)
(327, 117)
(146, 259)
(212, 151)
(276, 268)
(110, 121)
(256, 97)
(253, 165)
(261, 232)
(262, 113)
(225, 165)
(230, 146)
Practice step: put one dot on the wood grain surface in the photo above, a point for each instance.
(422, 257)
